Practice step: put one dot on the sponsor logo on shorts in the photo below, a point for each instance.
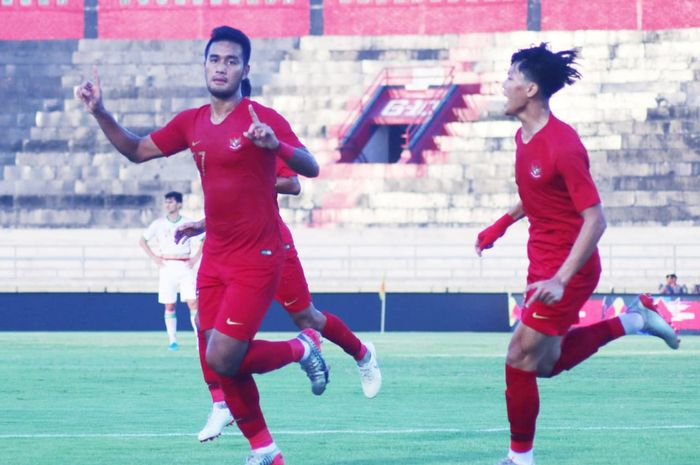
(287, 304)
(266, 252)
(233, 323)
(535, 171)
(537, 316)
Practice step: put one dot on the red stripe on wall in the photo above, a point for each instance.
(382, 17)
(42, 22)
(670, 14)
(569, 15)
(189, 21)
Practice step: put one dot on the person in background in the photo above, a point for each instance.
(175, 263)
(672, 287)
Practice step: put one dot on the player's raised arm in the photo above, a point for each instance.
(134, 147)
(297, 158)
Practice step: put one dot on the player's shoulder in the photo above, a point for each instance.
(188, 115)
(566, 136)
(562, 128)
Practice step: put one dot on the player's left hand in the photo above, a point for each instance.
(187, 230)
(260, 133)
(549, 291)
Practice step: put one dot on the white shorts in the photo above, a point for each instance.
(176, 276)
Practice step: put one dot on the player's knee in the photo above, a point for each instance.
(220, 363)
(309, 318)
(518, 357)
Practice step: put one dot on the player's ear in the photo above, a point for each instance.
(532, 89)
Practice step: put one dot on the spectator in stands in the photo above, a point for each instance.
(175, 263)
(561, 202)
(235, 143)
(672, 287)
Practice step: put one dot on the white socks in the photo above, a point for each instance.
(522, 458)
(171, 326)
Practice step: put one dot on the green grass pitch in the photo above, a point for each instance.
(122, 399)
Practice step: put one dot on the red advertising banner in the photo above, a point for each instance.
(682, 312)
(405, 106)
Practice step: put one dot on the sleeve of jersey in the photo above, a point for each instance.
(282, 170)
(150, 232)
(575, 170)
(174, 137)
(284, 131)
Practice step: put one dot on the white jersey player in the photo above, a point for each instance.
(176, 262)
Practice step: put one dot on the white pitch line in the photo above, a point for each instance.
(350, 432)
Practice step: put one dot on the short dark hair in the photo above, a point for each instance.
(549, 70)
(671, 275)
(174, 195)
(229, 34)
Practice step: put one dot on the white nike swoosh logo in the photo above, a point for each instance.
(196, 143)
(539, 317)
(286, 304)
(233, 323)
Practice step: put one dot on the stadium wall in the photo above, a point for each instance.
(361, 311)
(494, 312)
(407, 260)
(637, 111)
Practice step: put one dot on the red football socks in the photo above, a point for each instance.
(523, 405)
(338, 333)
(243, 399)
(265, 356)
(580, 343)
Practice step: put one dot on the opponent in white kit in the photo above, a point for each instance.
(175, 262)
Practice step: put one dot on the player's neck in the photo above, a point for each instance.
(173, 217)
(533, 118)
(221, 108)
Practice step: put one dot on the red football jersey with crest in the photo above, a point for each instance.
(554, 183)
(238, 178)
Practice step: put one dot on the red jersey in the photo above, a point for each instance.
(555, 185)
(238, 178)
(284, 171)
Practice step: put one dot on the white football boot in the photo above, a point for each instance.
(370, 376)
(219, 418)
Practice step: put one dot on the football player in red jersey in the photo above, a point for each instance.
(561, 202)
(235, 143)
(294, 296)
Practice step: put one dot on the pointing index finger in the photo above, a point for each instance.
(96, 76)
(254, 116)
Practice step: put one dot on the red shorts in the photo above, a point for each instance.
(293, 291)
(556, 319)
(234, 298)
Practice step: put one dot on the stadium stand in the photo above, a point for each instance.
(636, 109)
